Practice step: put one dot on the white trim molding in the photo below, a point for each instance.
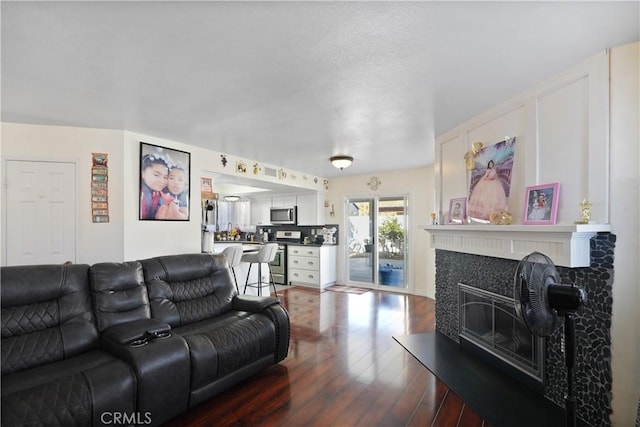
(566, 245)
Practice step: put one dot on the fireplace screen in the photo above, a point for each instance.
(490, 322)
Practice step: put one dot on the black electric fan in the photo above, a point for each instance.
(540, 299)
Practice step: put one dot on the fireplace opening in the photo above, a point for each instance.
(490, 327)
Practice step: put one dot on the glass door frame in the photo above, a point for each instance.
(375, 199)
(371, 234)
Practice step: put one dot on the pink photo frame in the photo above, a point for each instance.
(541, 204)
(457, 211)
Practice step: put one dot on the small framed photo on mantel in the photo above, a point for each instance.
(541, 204)
(457, 211)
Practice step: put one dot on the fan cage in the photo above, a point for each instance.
(536, 272)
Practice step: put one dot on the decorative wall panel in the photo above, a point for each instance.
(561, 130)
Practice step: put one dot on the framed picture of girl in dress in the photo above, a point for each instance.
(457, 211)
(164, 183)
(490, 182)
(541, 204)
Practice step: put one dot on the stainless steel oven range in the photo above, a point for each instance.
(279, 263)
(279, 266)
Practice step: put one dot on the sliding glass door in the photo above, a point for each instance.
(360, 254)
(377, 248)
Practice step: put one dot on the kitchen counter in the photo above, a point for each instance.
(255, 242)
(247, 246)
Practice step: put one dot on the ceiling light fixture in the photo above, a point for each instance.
(231, 198)
(341, 162)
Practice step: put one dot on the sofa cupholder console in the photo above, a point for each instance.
(141, 341)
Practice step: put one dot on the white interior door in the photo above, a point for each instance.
(40, 211)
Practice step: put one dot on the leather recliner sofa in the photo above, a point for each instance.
(53, 369)
(136, 342)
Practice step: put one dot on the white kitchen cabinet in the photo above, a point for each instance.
(313, 266)
(260, 211)
(283, 201)
(310, 209)
(256, 217)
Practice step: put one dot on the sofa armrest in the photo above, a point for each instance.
(253, 304)
(280, 318)
(160, 361)
(136, 332)
(270, 306)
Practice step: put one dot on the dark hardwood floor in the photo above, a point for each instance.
(343, 369)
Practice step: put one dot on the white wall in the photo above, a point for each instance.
(2, 216)
(418, 185)
(145, 239)
(625, 214)
(561, 136)
(94, 242)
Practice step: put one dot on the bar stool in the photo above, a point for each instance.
(266, 254)
(234, 258)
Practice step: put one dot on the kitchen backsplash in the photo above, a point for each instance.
(310, 231)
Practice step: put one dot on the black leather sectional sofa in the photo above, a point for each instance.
(132, 343)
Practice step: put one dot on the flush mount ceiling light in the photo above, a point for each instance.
(231, 198)
(341, 162)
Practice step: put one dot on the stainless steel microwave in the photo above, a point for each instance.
(288, 215)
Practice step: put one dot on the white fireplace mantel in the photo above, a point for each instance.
(567, 245)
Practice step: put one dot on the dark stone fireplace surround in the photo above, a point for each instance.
(593, 324)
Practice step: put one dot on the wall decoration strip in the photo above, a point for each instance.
(99, 188)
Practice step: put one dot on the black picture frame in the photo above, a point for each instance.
(164, 171)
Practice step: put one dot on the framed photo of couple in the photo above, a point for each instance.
(541, 204)
(165, 175)
(457, 211)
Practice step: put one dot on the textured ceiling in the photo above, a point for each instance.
(292, 83)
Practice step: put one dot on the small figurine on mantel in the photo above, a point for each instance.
(585, 212)
(502, 217)
(434, 218)
(470, 156)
